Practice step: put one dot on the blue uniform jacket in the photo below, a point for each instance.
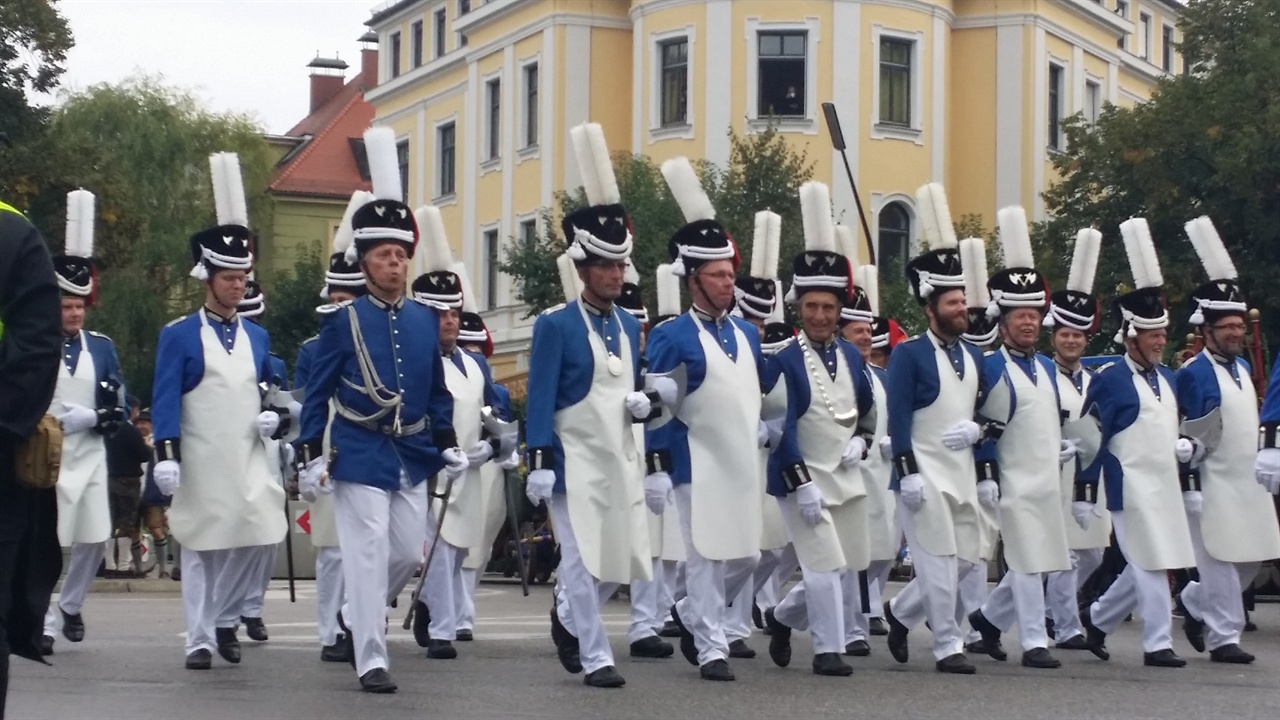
(1113, 399)
(672, 343)
(1269, 415)
(302, 364)
(561, 366)
(995, 370)
(106, 364)
(403, 342)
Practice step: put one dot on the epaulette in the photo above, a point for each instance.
(784, 345)
(664, 322)
(176, 320)
(1192, 359)
(554, 309)
(311, 339)
(332, 308)
(95, 333)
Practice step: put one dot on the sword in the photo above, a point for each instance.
(288, 548)
(431, 553)
(514, 521)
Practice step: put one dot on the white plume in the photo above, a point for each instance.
(435, 251)
(1084, 261)
(668, 289)
(384, 166)
(582, 152)
(630, 274)
(868, 278)
(80, 215)
(766, 245)
(935, 217)
(228, 189)
(1015, 239)
(464, 280)
(774, 237)
(608, 193)
(686, 188)
(1213, 253)
(570, 283)
(848, 244)
(342, 237)
(1143, 262)
(815, 211)
(973, 258)
(778, 314)
(758, 240)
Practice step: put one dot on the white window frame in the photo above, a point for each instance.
(488, 269)
(1173, 53)
(439, 43)
(437, 198)
(1144, 33)
(656, 129)
(534, 217)
(914, 133)
(812, 27)
(879, 202)
(527, 151)
(1064, 102)
(1097, 84)
(490, 163)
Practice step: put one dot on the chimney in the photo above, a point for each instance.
(326, 80)
(369, 60)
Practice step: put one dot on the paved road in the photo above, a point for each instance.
(130, 666)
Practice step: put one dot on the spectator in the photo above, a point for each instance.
(127, 457)
(154, 504)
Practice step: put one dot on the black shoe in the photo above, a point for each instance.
(200, 660)
(1095, 640)
(831, 664)
(877, 627)
(566, 645)
(857, 648)
(254, 628)
(46, 645)
(717, 670)
(605, 677)
(1075, 642)
(897, 635)
(990, 635)
(741, 650)
(228, 644)
(464, 635)
(1194, 630)
(348, 641)
(688, 647)
(1048, 626)
(337, 652)
(652, 647)
(377, 680)
(757, 617)
(421, 623)
(1040, 658)
(779, 640)
(176, 574)
(955, 665)
(1230, 653)
(72, 626)
(441, 650)
(1163, 658)
(669, 629)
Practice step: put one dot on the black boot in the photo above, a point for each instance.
(1163, 658)
(897, 635)
(652, 647)
(254, 628)
(1230, 653)
(1194, 630)
(46, 645)
(779, 640)
(1040, 658)
(464, 635)
(566, 645)
(757, 618)
(200, 660)
(955, 665)
(348, 641)
(857, 648)
(877, 626)
(669, 630)
(421, 623)
(717, 670)
(1095, 640)
(605, 677)
(1075, 642)
(831, 664)
(72, 625)
(688, 646)
(741, 650)
(337, 652)
(228, 644)
(990, 635)
(377, 680)
(441, 650)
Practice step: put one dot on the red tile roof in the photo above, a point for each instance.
(325, 165)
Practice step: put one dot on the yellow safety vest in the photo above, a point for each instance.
(5, 207)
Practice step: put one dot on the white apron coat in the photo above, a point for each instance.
(1098, 535)
(464, 523)
(1157, 536)
(1031, 521)
(947, 523)
(723, 417)
(324, 526)
(665, 541)
(603, 479)
(493, 499)
(229, 496)
(84, 512)
(1238, 522)
(882, 527)
(841, 540)
(773, 533)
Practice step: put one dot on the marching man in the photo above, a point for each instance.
(87, 402)
(210, 428)
(584, 370)
(1233, 525)
(378, 360)
(1138, 460)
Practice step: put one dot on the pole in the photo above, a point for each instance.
(837, 142)
(513, 520)
(431, 552)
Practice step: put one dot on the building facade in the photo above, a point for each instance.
(969, 93)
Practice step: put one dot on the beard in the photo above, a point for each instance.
(955, 325)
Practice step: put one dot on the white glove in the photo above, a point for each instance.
(311, 481)
(774, 428)
(1068, 452)
(988, 494)
(638, 405)
(538, 486)
(853, 452)
(762, 434)
(886, 447)
(456, 463)
(809, 502)
(512, 462)
(1193, 501)
(168, 476)
(1266, 469)
(911, 491)
(268, 423)
(1189, 451)
(290, 455)
(657, 486)
(479, 454)
(76, 418)
(1084, 513)
(963, 435)
(666, 389)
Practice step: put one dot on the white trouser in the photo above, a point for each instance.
(256, 592)
(464, 596)
(971, 588)
(214, 583)
(442, 590)
(1062, 592)
(1019, 597)
(737, 616)
(82, 568)
(932, 594)
(765, 588)
(580, 595)
(1147, 591)
(646, 612)
(709, 584)
(877, 578)
(381, 535)
(672, 587)
(856, 624)
(816, 603)
(329, 593)
(1216, 600)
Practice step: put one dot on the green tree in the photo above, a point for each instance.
(291, 299)
(34, 40)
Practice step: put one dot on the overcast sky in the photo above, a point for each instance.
(242, 55)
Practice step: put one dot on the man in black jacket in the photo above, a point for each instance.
(127, 457)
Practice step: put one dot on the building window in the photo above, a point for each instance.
(445, 142)
(781, 74)
(675, 81)
(1122, 9)
(402, 159)
(440, 31)
(531, 109)
(416, 46)
(1166, 49)
(1092, 101)
(464, 7)
(491, 260)
(895, 81)
(529, 233)
(395, 54)
(893, 239)
(1144, 36)
(493, 116)
(1055, 106)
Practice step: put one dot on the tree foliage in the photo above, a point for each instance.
(34, 40)
(291, 300)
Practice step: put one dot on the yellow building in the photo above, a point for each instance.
(969, 93)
